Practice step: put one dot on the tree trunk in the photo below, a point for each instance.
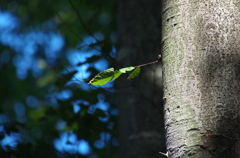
(141, 125)
(201, 43)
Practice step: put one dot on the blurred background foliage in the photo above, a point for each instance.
(48, 51)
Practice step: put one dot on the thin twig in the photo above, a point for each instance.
(71, 29)
(89, 32)
(147, 63)
(159, 58)
(80, 18)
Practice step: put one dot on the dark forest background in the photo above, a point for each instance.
(49, 50)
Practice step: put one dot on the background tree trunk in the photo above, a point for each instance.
(202, 78)
(141, 129)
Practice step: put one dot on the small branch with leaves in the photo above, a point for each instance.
(110, 74)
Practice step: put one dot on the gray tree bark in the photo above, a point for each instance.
(141, 125)
(201, 72)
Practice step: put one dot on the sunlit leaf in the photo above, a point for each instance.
(105, 76)
(110, 75)
(134, 74)
(116, 75)
(124, 70)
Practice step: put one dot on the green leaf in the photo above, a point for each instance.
(109, 75)
(134, 74)
(124, 70)
(116, 75)
(105, 76)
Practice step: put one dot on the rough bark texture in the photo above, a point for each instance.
(201, 42)
(141, 129)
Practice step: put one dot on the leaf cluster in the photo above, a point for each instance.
(110, 75)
